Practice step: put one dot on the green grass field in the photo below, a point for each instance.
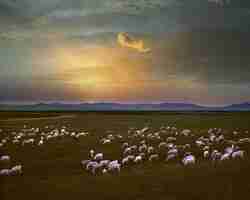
(53, 171)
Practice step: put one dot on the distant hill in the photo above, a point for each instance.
(121, 107)
(238, 107)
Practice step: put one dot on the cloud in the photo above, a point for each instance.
(126, 40)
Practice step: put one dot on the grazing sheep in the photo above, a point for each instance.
(162, 146)
(127, 151)
(150, 150)
(187, 147)
(98, 157)
(5, 158)
(15, 141)
(170, 146)
(138, 159)
(153, 157)
(200, 143)
(28, 141)
(206, 154)
(4, 141)
(125, 161)
(104, 163)
(91, 165)
(238, 154)
(142, 148)
(104, 171)
(84, 163)
(4, 172)
(143, 156)
(133, 148)
(216, 155)
(125, 145)
(173, 151)
(97, 168)
(114, 166)
(171, 157)
(170, 139)
(188, 160)
(91, 153)
(16, 170)
(225, 156)
(244, 141)
(185, 132)
(106, 141)
(128, 160)
(40, 142)
(220, 139)
(229, 150)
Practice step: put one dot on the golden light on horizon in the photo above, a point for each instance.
(98, 66)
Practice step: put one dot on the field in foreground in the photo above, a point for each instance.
(53, 171)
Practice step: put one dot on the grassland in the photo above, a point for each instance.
(53, 171)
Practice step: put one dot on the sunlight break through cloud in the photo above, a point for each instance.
(125, 40)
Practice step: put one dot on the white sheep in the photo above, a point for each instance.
(125, 145)
(4, 172)
(171, 157)
(216, 155)
(225, 156)
(142, 148)
(84, 163)
(98, 157)
(127, 151)
(16, 170)
(173, 151)
(206, 154)
(133, 148)
(150, 150)
(189, 159)
(104, 163)
(229, 150)
(40, 142)
(125, 161)
(96, 168)
(91, 165)
(28, 141)
(5, 158)
(104, 171)
(153, 157)
(238, 154)
(4, 141)
(185, 132)
(91, 153)
(114, 166)
(138, 159)
(170, 139)
(162, 146)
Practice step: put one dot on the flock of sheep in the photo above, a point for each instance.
(29, 137)
(169, 145)
(137, 146)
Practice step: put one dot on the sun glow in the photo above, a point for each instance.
(96, 72)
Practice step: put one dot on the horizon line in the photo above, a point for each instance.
(19, 103)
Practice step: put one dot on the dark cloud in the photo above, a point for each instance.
(210, 57)
(196, 45)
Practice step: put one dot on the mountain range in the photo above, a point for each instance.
(122, 107)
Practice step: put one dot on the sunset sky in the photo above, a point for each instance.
(125, 51)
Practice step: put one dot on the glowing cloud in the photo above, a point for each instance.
(125, 40)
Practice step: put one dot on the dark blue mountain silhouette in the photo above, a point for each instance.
(122, 107)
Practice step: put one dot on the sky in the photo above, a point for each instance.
(125, 51)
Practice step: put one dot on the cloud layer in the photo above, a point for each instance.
(126, 40)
